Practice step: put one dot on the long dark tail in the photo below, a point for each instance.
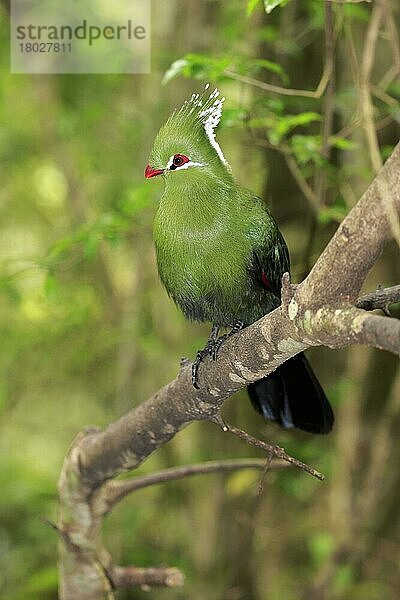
(293, 397)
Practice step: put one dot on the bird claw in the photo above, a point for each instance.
(195, 367)
(216, 346)
(212, 348)
(208, 350)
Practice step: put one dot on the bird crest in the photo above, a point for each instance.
(189, 134)
(201, 111)
(191, 130)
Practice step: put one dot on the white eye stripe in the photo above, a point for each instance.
(190, 163)
(186, 165)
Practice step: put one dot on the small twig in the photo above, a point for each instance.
(302, 183)
(287, 291)
(366, 106)
(218, 420)
(388, 203)
(393, 35)
(62, 534)
(306, 260)
(184, 362)
(264, 474)
(108, 583)
(114, 491)
(382, 95)
(384, 122)
(352, 53)
(50, 524)
(269, 87)
(275, 451)
(320, 186)
(128, 577)
(380, 299)
(388, 77)
(347, 130)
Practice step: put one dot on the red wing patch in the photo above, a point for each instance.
(265, 281)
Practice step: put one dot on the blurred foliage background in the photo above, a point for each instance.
(87, 330)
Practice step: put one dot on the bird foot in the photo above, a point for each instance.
(212, 348)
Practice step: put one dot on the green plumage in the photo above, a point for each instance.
(221, 256)
(209, 247)
(213, 238)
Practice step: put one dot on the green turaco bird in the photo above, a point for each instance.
(221, 256)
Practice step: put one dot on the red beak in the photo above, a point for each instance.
(151, 172)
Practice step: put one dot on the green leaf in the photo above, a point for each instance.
(251, 5)
(233, 116)
(198, 66)
(286, 123)
(174, 70)
(279, 125)
(356, 11)
(303, 118)
(386, 151)
(342, 143)
(316, 15)
(259, 123)
(307, 148)
(275, 105)
(262, 63)
(335, 213)
(269, 5)
(202, 66)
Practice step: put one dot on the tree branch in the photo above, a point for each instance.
(275, 452)
(320, 186)
(381, 299)
(114, 491)
(319, 311)
(342, 268)
(128, 577)
(276, 89)
(366, 106)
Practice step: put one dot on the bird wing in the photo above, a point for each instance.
(270, 256)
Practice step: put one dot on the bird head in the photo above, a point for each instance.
(187, 140)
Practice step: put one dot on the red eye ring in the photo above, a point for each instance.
(179, 160)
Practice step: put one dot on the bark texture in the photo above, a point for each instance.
(320, 311)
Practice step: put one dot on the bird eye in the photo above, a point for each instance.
(179, 160)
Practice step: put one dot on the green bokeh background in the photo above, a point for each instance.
(87, 330)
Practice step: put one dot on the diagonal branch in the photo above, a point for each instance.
(335, 280)
(366, 106)
(276, 337)
(319, 311)
(342, 268)
(114, 491)
(381, 299)
(275, 452)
